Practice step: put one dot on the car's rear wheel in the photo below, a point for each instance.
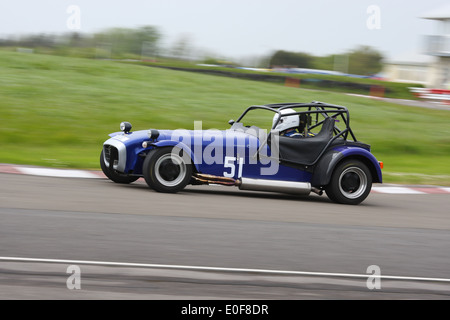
(112, 174)
(350, 182)
(167, 169)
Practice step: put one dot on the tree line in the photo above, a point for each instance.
(362, 60)
(145, 43)
(110, 43)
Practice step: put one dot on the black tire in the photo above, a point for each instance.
(350, 182)
(167, 169)
(112, 174)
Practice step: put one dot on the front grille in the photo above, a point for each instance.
(107, 152)
(115, 154)
(111, 155)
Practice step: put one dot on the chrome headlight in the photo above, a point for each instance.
(125, 127)
(153, 134)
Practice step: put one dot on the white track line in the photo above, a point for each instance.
(65, 173)
(396, 190)
(203, 268)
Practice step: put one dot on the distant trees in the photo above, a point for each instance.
(113, 42)
(124, 40)
(181, 49)
(33, 41)
(291, 59)
(363, 60)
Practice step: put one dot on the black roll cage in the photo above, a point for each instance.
(316, 107)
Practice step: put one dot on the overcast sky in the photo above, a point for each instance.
(238, 28)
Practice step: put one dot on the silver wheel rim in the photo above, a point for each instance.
(353, 182)
(176, 161)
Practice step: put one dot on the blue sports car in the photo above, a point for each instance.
(295, 148)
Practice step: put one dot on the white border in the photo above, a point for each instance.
(221, 269)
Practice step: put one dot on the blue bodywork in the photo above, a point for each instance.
(233, 153)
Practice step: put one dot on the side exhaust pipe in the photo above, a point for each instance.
(291, 187)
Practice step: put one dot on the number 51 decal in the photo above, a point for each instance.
(230, 163)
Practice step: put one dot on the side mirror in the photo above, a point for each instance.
(231, 122)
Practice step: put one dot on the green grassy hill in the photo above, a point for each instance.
(57, 111)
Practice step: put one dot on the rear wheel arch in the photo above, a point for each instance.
(329, 162)
(350, 182)
(370, 165)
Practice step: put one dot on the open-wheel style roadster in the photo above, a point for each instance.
(294, 148)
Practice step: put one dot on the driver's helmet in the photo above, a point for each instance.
(288, 122)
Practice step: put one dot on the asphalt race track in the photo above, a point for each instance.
(214, 242)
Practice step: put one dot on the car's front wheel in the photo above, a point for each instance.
(350, 182)
(167, 169)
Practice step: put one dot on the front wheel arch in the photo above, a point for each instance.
(167, 169)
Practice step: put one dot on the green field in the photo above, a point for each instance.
(57, 111)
